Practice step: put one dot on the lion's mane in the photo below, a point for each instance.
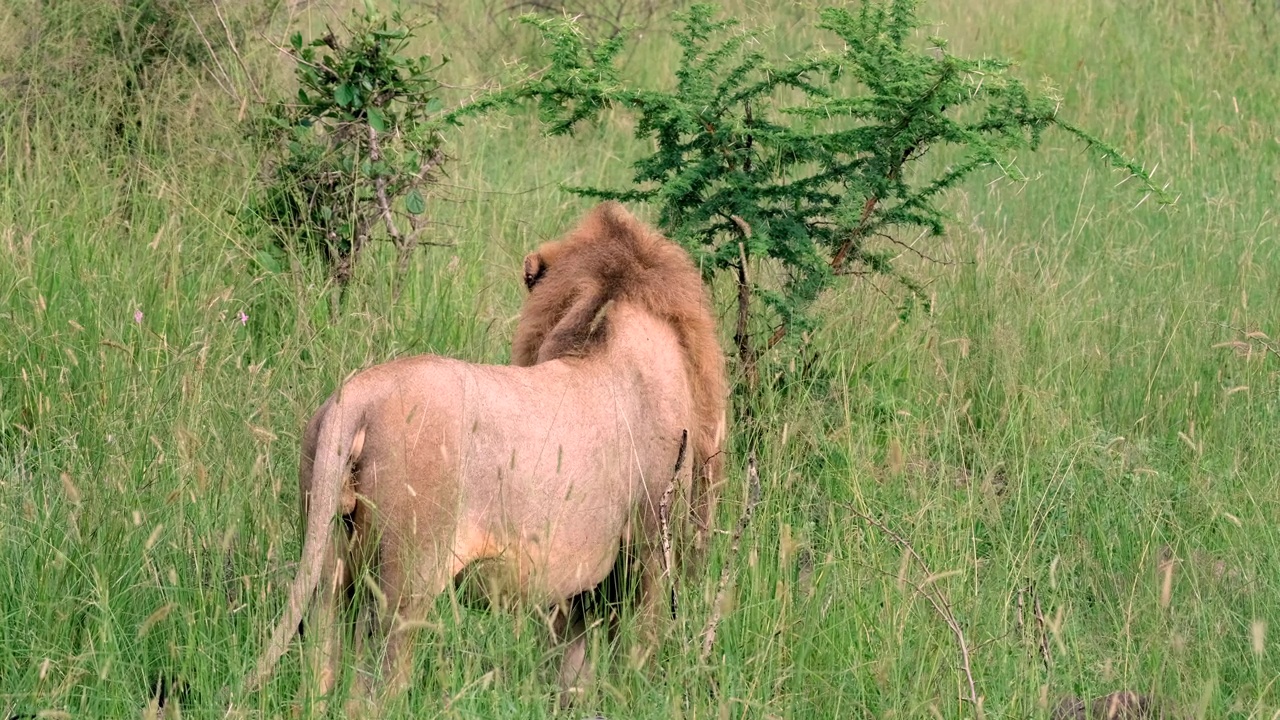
(611, 257)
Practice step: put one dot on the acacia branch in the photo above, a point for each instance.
(869, 207)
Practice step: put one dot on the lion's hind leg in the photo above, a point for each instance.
(569, 629)
(411, 575)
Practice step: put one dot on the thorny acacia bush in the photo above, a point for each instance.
(810, 164)
(352, 155)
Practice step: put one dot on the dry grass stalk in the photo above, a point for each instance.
(664, 517)
(939, 602)
(722, 587)
(1245, 347)
(1042, 634)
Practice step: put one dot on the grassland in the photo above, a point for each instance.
(1081, 441)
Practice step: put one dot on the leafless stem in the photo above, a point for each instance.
(1042, 635)
(918, 253)
(722, 587)
(375, 154)
(664, 517)
(228, 87)
(1257, 335)
(936, 599)
(235, 51)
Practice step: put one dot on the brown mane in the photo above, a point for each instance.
(613, 257)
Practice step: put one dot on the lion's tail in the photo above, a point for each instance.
(338, 444)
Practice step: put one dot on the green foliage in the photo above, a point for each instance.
(810, 163)
(357, 148)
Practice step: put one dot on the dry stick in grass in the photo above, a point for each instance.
(1042, 637)
(1041, 633)
(229, 87)
(1257, 335)
(235, 51)
(753, 497)
(936, 599)
(664, 517)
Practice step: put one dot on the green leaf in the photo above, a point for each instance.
(268, 261)
(376, 120)
(296, 40)
(414, 203)
(344, 95)
(434, 105)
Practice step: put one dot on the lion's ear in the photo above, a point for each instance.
(534, 268)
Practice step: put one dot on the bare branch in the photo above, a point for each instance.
(229, 87)
(1256, 335)
(375, 154)
(936, 599)
(235, 51)
(913, 249)
(664, 517)
(722, 587)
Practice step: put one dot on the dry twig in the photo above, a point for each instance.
(1253, 335)
(1041, 633)
(664, 517)
(375, 154)
(722, 588)
(236, 52)
(936, 599)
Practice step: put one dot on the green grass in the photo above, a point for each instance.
(1079, 415)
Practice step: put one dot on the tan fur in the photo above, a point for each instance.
(612, 257)
(534, 477)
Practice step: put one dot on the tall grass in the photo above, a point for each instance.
(1080, 441)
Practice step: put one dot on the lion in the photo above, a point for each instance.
(534, 479)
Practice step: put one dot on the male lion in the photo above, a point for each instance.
(534, 477)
